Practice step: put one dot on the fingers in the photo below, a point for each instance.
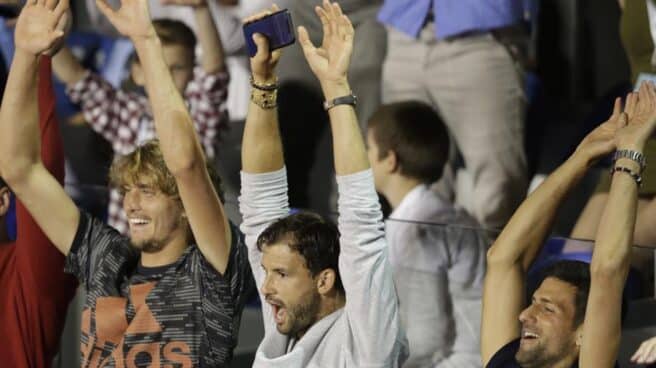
(262, 44)
(304, 40)
(630, 105)
(262, 14)
(105, 9)
(50, 4)
(325, 23)
(617, 107)
(646, 353)
(61, 8)
(622, 121)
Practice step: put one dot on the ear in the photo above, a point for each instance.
(4, 201)
(136, 72)
(391, 162)
(326, 281)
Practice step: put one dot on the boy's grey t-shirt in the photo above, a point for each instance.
(185, 313)
(367, 331)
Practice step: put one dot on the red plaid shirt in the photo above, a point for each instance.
(125, 119)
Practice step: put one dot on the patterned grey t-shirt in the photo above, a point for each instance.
(182, 315)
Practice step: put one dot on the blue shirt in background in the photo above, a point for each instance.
(452, 17)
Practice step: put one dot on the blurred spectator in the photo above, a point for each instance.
(124, 118)
(437, 255)
(301, 102)
(462, 58)
(638, 39)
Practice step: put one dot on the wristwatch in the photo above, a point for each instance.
(344, 100)
(631, 155)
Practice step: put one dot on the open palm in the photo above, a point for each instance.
(37, 25)
(330, 62)
(132, 19)
(641, 111)
(601, 141)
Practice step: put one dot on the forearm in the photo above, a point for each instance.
(67, 68)
(173, 124)
(525, 233)
(348, 145)
(614, 237)
(213, 56)
(19, 140)
(261, 146)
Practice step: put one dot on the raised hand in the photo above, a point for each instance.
(646, 353)
(132, 19)
(40, 25)
(602, 141)
(641, 111)
(331, 61)
(263, 64)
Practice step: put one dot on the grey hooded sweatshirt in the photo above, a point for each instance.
(367, 331)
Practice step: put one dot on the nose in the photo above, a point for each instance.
(526, 315)
(131, 201)
(267, 287)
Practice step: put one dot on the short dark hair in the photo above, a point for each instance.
(577, 274)
(173, 32)
(418, 136)
(313, 237)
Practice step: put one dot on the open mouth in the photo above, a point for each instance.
(529, 336)
(137, 223)
(279, 313)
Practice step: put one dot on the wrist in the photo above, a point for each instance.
(145, 39)
(262, 79)
(25, 54)
(334, 89)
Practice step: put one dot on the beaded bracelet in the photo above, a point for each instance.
(635, 176)
(269, 87)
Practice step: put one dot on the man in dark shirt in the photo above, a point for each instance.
(574, 316)
(173, 292)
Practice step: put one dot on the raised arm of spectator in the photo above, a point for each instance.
(262, 146)
(180, 147)
(612, 252)
(330, 64)
(518, 244)
(20, 159)
(371, 299)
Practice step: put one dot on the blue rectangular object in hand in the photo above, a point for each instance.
(277, 28)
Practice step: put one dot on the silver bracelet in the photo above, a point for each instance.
(631, 155)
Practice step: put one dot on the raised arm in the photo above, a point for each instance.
(371, 299)
(518, 244)
(330, 64)
(20, 159)
(180, 147)
(612, 252)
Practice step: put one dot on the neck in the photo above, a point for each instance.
(397, 187)
(329, 304)
(169, 253)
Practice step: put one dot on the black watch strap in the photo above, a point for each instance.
(344, 100)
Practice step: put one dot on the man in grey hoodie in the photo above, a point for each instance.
(328, 294)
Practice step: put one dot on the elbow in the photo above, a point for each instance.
(185, 162)
(14, 171)
(497, 257)
(609, 269)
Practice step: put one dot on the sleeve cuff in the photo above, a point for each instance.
(80, 232)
